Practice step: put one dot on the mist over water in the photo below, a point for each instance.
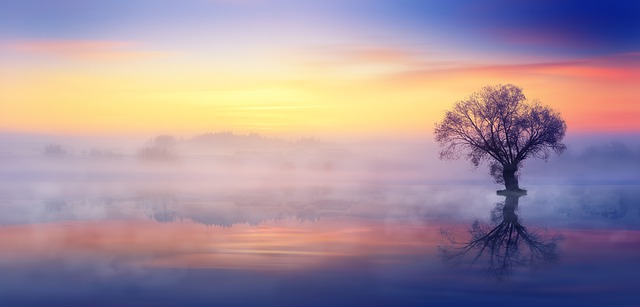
(257, 158)
(306, 176)
(158, 219)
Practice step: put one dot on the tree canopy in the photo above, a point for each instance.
(498, 124)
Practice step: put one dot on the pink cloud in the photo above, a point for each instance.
(618, 68)
(93, 50)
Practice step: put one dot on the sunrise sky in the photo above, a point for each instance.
(318, 67)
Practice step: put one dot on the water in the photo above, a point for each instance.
(346, 244)
(324, 225)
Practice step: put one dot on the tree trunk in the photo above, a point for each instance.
(509, 176)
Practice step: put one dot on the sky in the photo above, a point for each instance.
(321, 68)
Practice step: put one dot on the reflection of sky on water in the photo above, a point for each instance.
(352, 246)
(325, 225)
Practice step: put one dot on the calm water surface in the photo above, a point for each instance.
(375, 245)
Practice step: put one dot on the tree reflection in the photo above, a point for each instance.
(244, 208)
(504, 245)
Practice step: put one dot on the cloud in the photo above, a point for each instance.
(84, 50)
(377, 54)
(405, 63)
(616, 67)
(361, 61)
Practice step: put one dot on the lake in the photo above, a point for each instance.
(333, 244)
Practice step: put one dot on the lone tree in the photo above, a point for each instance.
(499, 125)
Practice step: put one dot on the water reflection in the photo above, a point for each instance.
(240, 206)
(244, 208)
(350, 247)
(504, 245)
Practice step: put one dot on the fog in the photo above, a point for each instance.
(225, 178)
(215, 162)
(223, 215)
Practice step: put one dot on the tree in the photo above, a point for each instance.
(55, 150)
(499, 125)
(160, 148)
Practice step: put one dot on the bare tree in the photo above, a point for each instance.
(505, 246)
(498, 124)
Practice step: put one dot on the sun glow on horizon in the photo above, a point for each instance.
(250, 72)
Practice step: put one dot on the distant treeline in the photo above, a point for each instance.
(228, 137)
(611, 151)
(612, 162)
(57, 150)
(164, 147)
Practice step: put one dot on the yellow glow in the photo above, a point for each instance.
(372, 93)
